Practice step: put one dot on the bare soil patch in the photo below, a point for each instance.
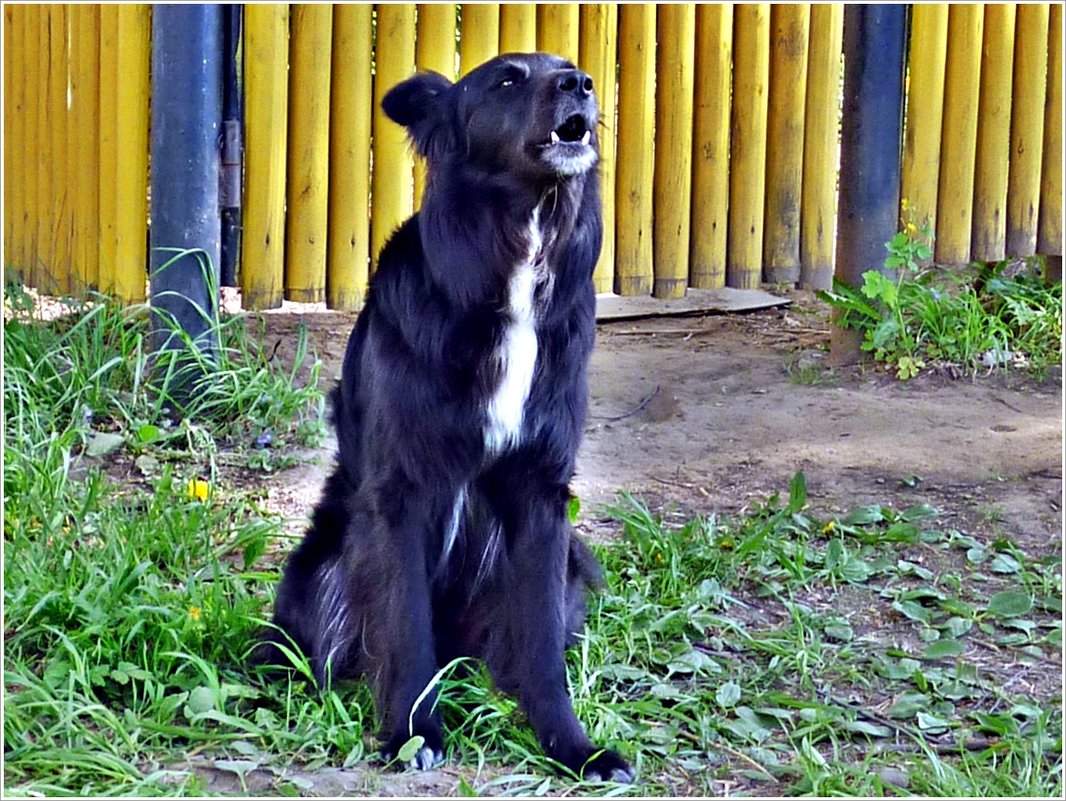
(707, 413)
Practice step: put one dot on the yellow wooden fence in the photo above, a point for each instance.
(719, 137)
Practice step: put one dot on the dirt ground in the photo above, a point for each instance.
(710, 413)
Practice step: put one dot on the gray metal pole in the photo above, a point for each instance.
(185, 238)
(870, 148)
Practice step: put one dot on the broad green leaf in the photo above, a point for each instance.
(928, 722)
(120, 677)
(409, 749)
(856, 571)
(943, 649)
(834, 554)
(884, 333)
(201, 699)
(728, 694)
(665, 691)
(901, 531)
(870, 729)
(908, 705)
(956, 607)
(746, 726)
(921, 511)
(913, 610)
(1001, 724)
(103, 443)
(241, 767)
(148, 433)
(1004, 563)
(865, 516)
(956, 626)
(898, 241)
(1010, 603)
(694, 662)
(841, 631)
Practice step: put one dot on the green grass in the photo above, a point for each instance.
(777, 652)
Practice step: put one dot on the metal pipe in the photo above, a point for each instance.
(232, 147)
(870, 148)
(185, 227)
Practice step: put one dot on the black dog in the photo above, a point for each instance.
(443, 530)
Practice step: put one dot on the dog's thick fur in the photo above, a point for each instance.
(443, 530)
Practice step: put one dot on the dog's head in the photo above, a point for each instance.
(530, 113)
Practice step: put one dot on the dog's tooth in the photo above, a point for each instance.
(586, 138)
(554, 138)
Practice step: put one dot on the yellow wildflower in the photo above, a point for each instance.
(199, 489)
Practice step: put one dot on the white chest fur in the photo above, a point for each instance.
(516, 353)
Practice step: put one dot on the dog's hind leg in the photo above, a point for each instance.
(526, 644)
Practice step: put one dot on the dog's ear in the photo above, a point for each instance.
(418, 105)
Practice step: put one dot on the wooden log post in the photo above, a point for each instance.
(989, 237)
(434, 52)
(266, 104)
(108, 157)
(820, 137)
(927, 61)
(307, 184)
(131, 144)
(958, 149)
(392, 184)
(558, 29)
(1027, 128)
(636, 128)
(675, 66)
(710, 145)
(599, 43)
(1049, 232)
(747, 179)
(518, 27)
(789, 36)
(480, 39)
(351, 100)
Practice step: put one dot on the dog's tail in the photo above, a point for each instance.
(311, 612)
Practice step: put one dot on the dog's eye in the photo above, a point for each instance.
(505, 83)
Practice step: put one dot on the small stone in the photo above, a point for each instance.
(894, 776)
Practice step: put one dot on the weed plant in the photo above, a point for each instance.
(982, 318)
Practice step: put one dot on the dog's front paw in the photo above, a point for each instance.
(422, 751)
(607, 766)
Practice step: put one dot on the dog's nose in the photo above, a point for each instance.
(575, 82)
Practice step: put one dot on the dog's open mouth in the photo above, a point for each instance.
(569, 149)
(573, 131)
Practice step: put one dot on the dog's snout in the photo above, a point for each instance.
(575, 82)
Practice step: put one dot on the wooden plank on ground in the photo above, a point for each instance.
(723, 300)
